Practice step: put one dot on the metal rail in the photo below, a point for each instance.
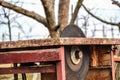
(58, 42)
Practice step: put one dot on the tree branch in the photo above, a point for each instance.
(50, 16)
(30, 14)
(116, 3)
(63, 13)
(106, 22)
(79, 3)
(49, 11)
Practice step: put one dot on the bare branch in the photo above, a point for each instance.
(30, 14)
(3, 23)
(116, 3)
(106, 22)
(7, 16)
(63, 13)
(50, 16)
(79, 3)
(49, 11)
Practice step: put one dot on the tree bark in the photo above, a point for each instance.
(50, 16)
(74, 16)
(116, 3)
(63, 13)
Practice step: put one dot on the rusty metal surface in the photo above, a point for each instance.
(29, 56)
(58, 41)
(42, 69)
(113, 65)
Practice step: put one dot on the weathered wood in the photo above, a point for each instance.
(16, 70)
(48, 76)
(29, 56)
(117, 58)
(100, 68)
(94, 56)
(99, 74)
(58, 41)
(117, 63)
(100, 55)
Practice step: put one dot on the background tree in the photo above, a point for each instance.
(102, 20)
(49, 21)
(55, 24)
(9, 18)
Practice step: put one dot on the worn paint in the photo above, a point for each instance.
(58, 41)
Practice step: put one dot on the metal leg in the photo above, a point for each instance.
(15, 75)
(60, 66)
(23, 76)
(112, 61)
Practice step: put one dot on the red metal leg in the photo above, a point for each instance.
(61, 66)
(113, 68)
(112, 62)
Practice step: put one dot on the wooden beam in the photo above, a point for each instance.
(58, 42)
(100, 55)
(99, 74)
(29, 56)
(117, 58)
(16, 70)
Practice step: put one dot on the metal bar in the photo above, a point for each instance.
(112, 63)
(16, 70)
(58, 42)
(60, 66)
(29, 56)
(15, 75)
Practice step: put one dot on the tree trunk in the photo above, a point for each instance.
(63, 13)
(54, 34)
(50, 16)
(9, 28)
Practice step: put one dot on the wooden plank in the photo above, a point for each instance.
(99, 74)
(117, 58)
(16, 70)
(48, 76)
(29, 56)
(100, 55)
(58, 41)
(94, 56)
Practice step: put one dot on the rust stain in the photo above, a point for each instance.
(58, 41)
